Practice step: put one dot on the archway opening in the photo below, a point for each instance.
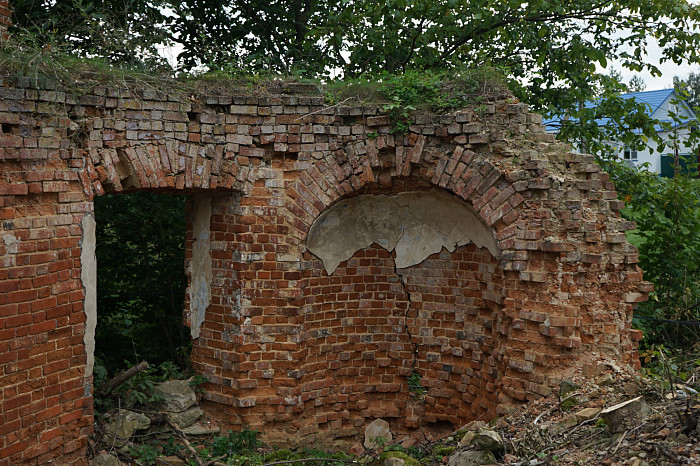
(141, 281)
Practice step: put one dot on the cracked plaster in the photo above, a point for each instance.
(88, 277)
(414, 224)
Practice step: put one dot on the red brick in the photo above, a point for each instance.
(20, 296)
(18, 321)
(36, 450)
(12, 449)
(55, 366)
(16, 402)
(51, 434)
(70, 417)
(7, 427)
(339, 340)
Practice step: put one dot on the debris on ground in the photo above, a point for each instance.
(602, 415)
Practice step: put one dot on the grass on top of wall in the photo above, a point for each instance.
(24, 62)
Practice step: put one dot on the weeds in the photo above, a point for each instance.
(235, 443)
(145, 454)
(401, 96)
(138, 390)
(667, 367)
(50, 64)
(46, 65)
(414, 384)
(197, 383)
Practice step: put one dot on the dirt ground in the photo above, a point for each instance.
(602, 415)
(551, 430)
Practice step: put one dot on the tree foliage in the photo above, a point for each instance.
(689, 88)
(141, 279)
(122, 32)
(552, 53)
(636, 84)
(272, 36)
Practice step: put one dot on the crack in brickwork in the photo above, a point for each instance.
(414, 354)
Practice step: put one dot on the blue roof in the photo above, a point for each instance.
(653, 99)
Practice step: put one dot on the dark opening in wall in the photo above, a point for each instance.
(141, 280)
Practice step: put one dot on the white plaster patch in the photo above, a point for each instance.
(11, 243)
(415, 225)
(200, 266)
(88, 277)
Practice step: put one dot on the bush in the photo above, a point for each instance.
(667, 213)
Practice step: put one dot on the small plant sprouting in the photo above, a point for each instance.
(379, 442)
(145, 454)
(197, 382)
(436, 92)
(235, 443)
(330, 98)
(414, 383)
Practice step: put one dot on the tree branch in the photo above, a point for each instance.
(541, 18)
(122, 377)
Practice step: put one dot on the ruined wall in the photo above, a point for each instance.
(5, 15)
(303, 354)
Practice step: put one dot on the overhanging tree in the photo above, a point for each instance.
(120, 31)
(552, 53)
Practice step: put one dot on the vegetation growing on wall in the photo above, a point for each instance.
(551, 53)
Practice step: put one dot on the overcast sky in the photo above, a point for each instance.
(668, 70)
(665, 81)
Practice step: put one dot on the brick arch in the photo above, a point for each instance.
(470, 342)
(541, 332)
(358, 167)
(164, 164)
(213, 180)
(570, 278)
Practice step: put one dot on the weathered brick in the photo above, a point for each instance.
(283, 333)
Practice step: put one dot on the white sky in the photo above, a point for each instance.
(653, 83)
(668, 70)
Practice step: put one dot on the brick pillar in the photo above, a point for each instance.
(5, 17)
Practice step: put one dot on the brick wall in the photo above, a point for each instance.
(288, 349)
(5, 17)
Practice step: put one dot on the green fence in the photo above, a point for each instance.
(688, 164)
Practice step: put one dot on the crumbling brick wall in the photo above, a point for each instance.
(302, 354)
(5, 18)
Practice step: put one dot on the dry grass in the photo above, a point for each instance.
(25, 63)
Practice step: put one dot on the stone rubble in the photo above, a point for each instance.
(377, 434)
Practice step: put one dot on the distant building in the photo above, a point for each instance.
(658, 104)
